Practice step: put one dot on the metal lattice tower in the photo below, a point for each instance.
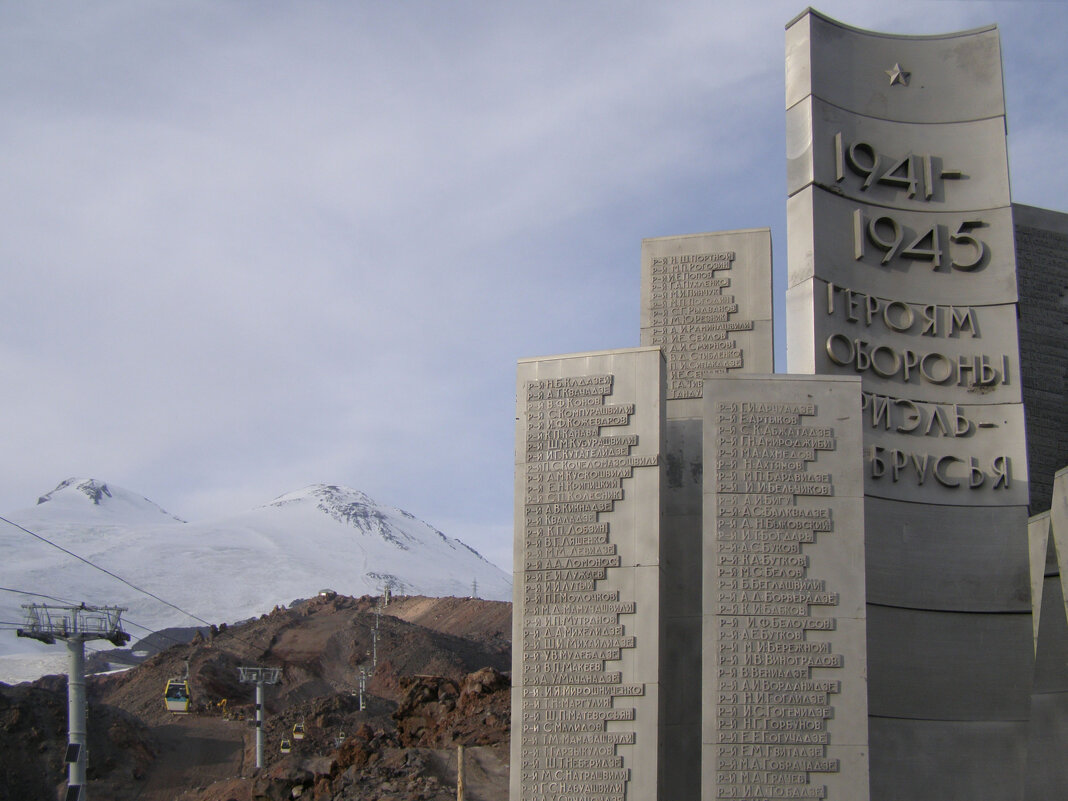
(259, 676)
(75, 625)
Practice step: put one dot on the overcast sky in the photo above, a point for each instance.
(249, 246)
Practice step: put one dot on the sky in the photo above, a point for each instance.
(251, 246)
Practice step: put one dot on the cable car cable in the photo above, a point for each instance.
(38, 595)
(120, 578)
(105, 570)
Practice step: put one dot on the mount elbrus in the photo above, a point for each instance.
(323, 536)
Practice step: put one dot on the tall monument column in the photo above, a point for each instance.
(706, 303)
(784, 694)
(587, 619)
(902, 272)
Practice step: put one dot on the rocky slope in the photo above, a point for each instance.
(440, 680)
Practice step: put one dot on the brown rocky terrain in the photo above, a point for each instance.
(440, 680)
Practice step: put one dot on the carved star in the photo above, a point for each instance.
(898, 75)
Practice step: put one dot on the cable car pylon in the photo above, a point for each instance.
(75, 625)
(259, 676)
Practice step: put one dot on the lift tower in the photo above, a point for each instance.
(76, 625)
(259, 676)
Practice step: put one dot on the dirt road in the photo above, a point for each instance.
(194, 752)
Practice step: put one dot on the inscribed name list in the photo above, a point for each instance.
(576, 707)
(705, 304)
(774, 663)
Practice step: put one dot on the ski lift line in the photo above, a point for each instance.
(105, 570)
(120, 578)
(39, 595)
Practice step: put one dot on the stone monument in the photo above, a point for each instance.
(587, 609)
(902, 271)
(730, 584)
(784, 681)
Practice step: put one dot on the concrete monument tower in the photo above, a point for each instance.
(902, 271)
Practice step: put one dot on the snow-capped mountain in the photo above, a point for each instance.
(68, 502)
(322, 536)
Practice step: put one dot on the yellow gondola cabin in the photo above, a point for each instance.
(176, 695)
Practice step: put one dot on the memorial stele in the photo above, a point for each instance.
(902, 271)
(731, 584)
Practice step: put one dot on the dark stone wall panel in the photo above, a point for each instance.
(928, 557)
(947, 761)
(1042, 280)
(683, 466)
(949, 666)
(1047, 769)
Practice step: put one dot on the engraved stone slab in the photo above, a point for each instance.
(783, 678)
(952, 77)
(586, 612)
(978, 461)
(898, 253)
(954, 353)
(850, 154)
(706, 301)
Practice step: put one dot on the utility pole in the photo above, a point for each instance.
(459, 773)
(76, 625)
(259, 676)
